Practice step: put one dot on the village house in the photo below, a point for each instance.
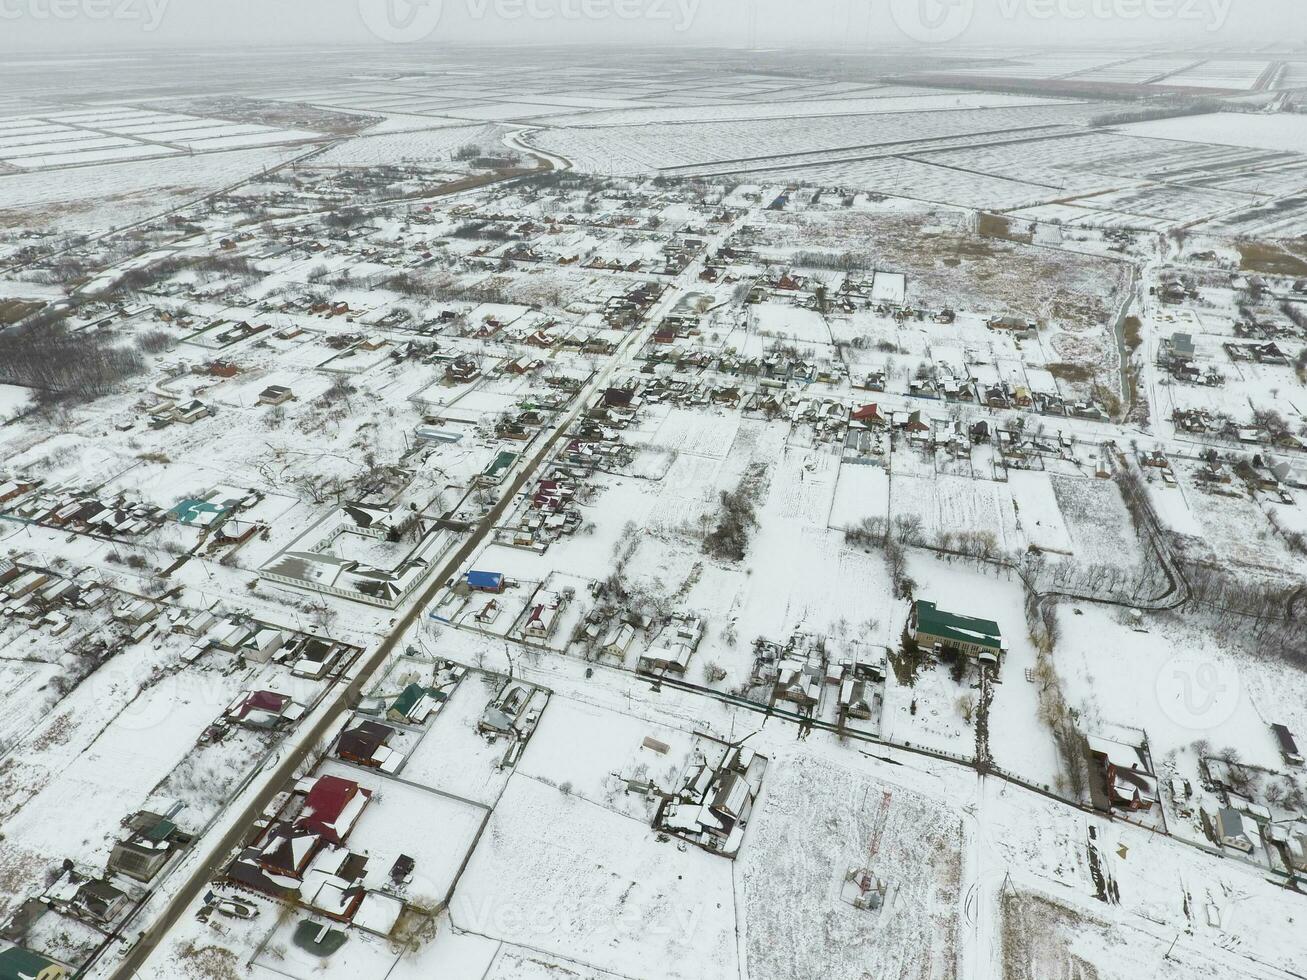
(17, 963)
(275, 395)
(151, 843)
(485, 581)
(617, 643)
(93, 900)
(332, 808)
(1287, 744)
(714, 802)
(1011, 324)
(366, 744)
(415, 704)
(1120, 776)
(1230, 830)
(671, 651)
(513, 713)
(868, 416)
(263, 709)
(944, 632)
(543, 616)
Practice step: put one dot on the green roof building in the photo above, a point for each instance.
(979, 639)
(408, 700)
(415, 703)
(17, 963)
(198, 513)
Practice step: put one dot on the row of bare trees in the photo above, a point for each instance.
(47, 357)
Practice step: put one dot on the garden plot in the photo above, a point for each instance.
(698, 433)
(887, 99)
(364, 956)
(865, 329)
(862, 493)
(25, 697)
(426, 147)
(637, 149)
(94, 198)
(67, 458)
(796, 575)
(812, 825)
(243, 390)
(1096, 519)
(787, 322)
(401, 819)
(929, 709)
(1018, 740)
(1036, 510)
(598, 889)
(587, 751)
(1240, 75)
(14, 402)
(1174, 912)
(110, 741)
(948, 505)
(1230, 399)
(918, 180)
(1171, 505)
(1115, 673)
(1234, 530)
(453, 757)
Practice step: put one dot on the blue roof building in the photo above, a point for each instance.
(486, 581)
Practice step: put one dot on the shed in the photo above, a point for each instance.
(1288, 745)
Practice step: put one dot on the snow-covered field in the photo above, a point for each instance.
(1278, 132)
(594, 886)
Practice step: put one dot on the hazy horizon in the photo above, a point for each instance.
(940, 26)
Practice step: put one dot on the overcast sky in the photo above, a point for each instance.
(32, 25)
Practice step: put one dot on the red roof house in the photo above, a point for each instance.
(868, 415)
(332, 808)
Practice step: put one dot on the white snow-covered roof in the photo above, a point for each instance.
(378, 913)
